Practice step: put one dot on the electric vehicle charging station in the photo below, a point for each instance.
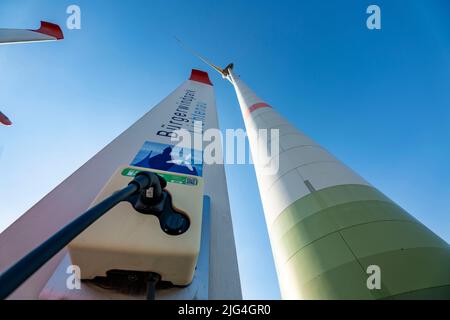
(125, 239)
(216, 273)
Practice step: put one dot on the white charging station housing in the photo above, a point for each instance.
(124, 239)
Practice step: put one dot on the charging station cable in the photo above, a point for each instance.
(12, 278)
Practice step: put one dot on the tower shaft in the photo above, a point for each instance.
(329, 227)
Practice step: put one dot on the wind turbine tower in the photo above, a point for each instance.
(333, 234)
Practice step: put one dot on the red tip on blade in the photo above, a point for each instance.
(50, 29)
(4, 120)
(200, 76)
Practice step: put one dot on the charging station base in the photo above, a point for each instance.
(57, 289)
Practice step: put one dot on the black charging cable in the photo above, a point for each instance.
(17, 274)
(152, 281)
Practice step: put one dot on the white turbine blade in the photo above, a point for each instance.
(220, 70)
(47, 32)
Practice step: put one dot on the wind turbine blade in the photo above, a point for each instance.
(4, 119)
(192, 51)
(47, 32)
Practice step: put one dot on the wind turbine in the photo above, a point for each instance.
(331, 231)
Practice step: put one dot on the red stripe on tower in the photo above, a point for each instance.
(200, 76)
(257, 106)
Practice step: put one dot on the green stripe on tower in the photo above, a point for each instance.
(325, 241)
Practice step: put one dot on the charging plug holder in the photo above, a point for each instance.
(172, 221)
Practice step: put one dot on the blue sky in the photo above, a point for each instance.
(379, 100)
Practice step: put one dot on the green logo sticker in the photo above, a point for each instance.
(170, 178)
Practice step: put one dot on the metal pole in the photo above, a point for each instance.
(12, 278)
